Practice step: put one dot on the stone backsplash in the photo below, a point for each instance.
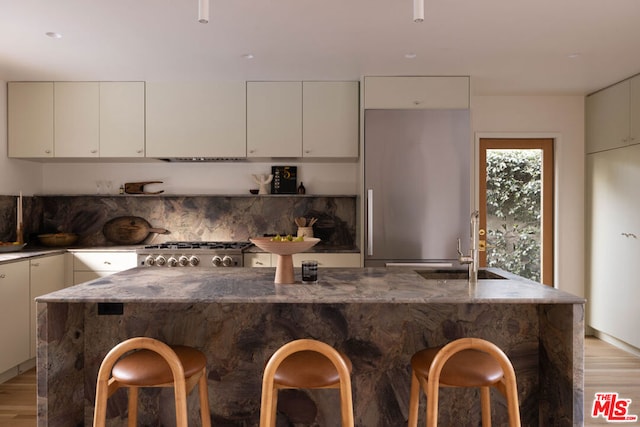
(198, 218)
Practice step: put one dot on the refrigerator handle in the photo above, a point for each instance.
(370, 222)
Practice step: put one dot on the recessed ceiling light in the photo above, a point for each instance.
(573, 55)
(410, 55)
(53, 35)
(248, 56)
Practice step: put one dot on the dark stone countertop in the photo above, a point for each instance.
(336, 285)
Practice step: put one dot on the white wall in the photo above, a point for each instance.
(561, 117)
(15, 175)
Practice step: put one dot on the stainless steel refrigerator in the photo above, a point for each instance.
(417, 186)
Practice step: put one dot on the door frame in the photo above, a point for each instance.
(475, 194)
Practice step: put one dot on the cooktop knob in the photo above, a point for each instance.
(160, 260)
(149, 261)
(183, 261)
(227, 261)
(194, 261)
(172, 262)
(217, 261)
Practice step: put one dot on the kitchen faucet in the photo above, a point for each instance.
(472, 259)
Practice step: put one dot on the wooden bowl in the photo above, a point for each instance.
(58, 239)
(286, 247)
(284, 250)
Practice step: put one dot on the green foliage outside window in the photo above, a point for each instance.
(513, 211)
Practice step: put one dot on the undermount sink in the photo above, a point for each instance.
(457, 274)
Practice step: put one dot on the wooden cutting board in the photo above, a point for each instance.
(129, 230)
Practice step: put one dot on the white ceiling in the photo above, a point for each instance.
(506, 46)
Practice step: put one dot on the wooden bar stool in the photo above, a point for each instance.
(152, 364)
(466, 362)
(306, 364)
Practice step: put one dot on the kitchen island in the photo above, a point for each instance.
(379, 317)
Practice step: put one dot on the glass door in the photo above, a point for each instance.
(516, 207)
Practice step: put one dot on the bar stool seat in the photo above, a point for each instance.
(467, 362)
(306, 364)
(152, 364)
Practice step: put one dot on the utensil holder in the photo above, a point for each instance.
(305, 231)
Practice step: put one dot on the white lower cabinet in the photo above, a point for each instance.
(257, 260)
(14, 314)
(327, 260)
(92, 265)
(47, 275)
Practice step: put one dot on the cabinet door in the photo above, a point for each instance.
(607, 121)
(47, 275)
(121, 119)
(257, 260)
(30, 119)
(614, 242)
(416, 93)
(14, 314)
(329, 259)
(104, 261)
(635, 110)
(274, 119)
(86, 276)
(196, 120)
(330, 119)
(77, 119)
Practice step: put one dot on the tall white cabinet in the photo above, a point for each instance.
(613, 178)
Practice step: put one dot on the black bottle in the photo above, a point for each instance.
(301, 189)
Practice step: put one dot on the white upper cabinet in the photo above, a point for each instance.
(30, 119)
(330, 116)
(420, 92)
(196, 119)
(121, 119)
(274, 119)
(76, 119)
(608, 118)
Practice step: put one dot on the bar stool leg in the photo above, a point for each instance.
(346, 404)
(203, 391)
(414, 400)
(132, 417)
(485, 399)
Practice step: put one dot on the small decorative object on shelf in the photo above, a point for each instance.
(285, 179)
(301, 189)
(262, 181)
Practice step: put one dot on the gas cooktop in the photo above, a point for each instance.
(236, 245)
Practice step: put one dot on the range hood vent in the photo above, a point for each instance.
(203, 159)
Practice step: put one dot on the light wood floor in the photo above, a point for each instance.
(607, 369)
